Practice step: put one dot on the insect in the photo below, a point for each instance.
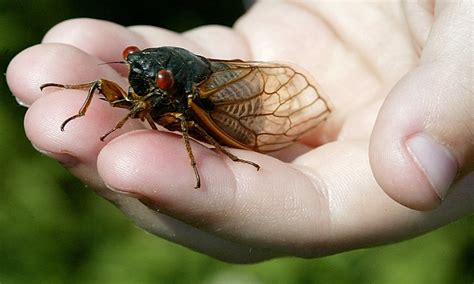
(256, 106)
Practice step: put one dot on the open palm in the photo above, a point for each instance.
(305, 201)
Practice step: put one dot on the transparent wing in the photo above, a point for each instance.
(265, 106)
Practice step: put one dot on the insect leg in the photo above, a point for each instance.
(82, 111)
(151, 122)
(112, 92)
(216, 144)
(184, 129)
(119, 125)
(84, 86)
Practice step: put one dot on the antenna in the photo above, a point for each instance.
(113, 62)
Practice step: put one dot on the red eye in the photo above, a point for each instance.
(165, 79)
(129, 50)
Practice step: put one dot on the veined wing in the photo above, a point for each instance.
(264, 106)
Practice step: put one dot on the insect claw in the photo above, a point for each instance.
(255, 165)
(198, 178)
(235, 159)
(51, 85)
(102, 138)
(63, 125)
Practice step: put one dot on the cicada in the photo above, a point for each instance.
(256, 106)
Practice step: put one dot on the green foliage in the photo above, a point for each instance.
(54, 230)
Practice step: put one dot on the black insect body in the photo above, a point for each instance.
(249, 105)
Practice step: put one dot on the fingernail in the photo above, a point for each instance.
(129, 193)
(435, 161)
(21, 103)
(66, 160)
(150, 204)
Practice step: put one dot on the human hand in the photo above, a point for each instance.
(316, 201)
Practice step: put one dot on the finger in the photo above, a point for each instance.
(211, 41)
(361, 213)
(78, 146)
(220, 42)
(419, 16)
(325, 203)
(47, 63)
(424, 132)
(336, 38)
(102, 39)
(235, 200)
(184, 234)
(155, 37)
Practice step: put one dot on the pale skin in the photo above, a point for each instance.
(398, 155)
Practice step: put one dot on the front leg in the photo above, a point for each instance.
(112, 92)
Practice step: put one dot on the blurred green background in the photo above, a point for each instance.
(55, 230)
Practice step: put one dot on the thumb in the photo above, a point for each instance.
(423, 137)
